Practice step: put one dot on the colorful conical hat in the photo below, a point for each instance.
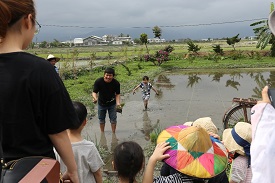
(193, 152)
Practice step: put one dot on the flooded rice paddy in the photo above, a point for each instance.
(184, 96)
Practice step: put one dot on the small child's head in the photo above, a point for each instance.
(128, 160)
(145, 79)
(81, 112)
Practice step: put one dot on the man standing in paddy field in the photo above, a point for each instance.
(108, 98)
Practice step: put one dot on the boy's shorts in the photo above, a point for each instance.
(145, 97)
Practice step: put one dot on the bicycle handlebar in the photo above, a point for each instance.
(248, 101)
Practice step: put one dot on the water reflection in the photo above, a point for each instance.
(164, 82)
(114, 142)
(147, 126)
(193, 79)
(234, 79)
(103, 141)
(217, 76)
(232, 83)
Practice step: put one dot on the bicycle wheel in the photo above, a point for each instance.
(240, 113)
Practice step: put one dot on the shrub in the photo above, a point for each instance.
(149, 57)
(217, 49)
(192, 47)
(162, 56)
(169, 49)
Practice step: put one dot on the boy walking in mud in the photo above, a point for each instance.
(145, 90)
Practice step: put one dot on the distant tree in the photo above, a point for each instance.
(55, 43)
(144, 40)
(192, 47)
(121, 35)
(157, 32)
(31, 45)
(43, 44)
(217, 49)
(137, 41)
(233, 40)
(264, 34)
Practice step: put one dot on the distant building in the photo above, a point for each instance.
(209, 39)
(92, 40)
(108, 38)
(252, 38)
(156, 40)
(78, 40)
(104, 40)
(122, 40)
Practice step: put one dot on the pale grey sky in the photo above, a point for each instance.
(121, 16)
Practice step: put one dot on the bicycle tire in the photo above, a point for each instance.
(236, 114)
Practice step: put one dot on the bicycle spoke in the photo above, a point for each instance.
(237, 114)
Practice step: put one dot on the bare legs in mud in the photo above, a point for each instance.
(145, 105)
(113, 126)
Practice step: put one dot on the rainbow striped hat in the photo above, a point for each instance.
(193, 152)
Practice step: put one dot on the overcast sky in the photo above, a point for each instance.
(133, 17)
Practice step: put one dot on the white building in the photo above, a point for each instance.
(156, 40)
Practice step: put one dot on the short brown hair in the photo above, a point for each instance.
(11, 11)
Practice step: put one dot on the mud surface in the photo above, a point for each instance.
(184, 96)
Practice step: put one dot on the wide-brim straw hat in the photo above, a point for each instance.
(194, 152)
(207, 124)
(244, 130)
(50, 56)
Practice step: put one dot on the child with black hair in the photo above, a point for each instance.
(146, 88)
(128, 161)
(86, 155)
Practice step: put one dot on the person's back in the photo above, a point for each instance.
(241, 172)
(21, 111)
(88, 162)
(35, 107)
(86, 155)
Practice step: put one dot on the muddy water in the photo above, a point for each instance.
(184, 96)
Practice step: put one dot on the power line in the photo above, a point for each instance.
(147, 27)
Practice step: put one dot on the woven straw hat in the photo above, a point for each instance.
(244, 130)
(207, 124)
(189, 123)
(50, 56)
(193, 151)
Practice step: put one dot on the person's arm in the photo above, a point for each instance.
(134, 90)
(155, 90)
(63, 146)
(94, 95)
(98, 176)
(118, 99)
(156, 156)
